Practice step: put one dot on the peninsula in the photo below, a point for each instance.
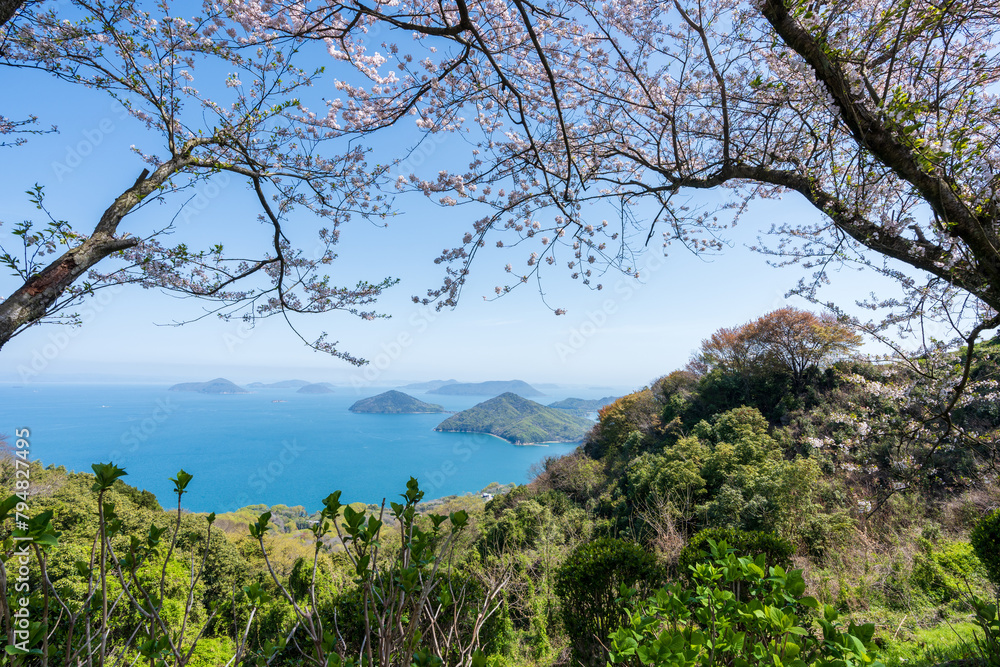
(518, 420)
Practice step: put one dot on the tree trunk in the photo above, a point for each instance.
(8, 8)
(33, 300)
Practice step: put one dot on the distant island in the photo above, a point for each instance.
(491, 388)
(216, 386)
(318, 388)
(284, 384)
(518, 420)
(394, 403)
(583, 406)
(427, 386)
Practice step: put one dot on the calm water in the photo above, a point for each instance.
(245, 449)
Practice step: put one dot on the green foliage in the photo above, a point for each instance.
(943, 572)
(394, 403)
(764, 622)
(212, 652)
(105, 475)
(728, 471)
(635, 413)
(821, 533)
(777, 551)
(986, 617)
(577, 475)
(927, 647)
(985, 539)
(588, 585)
(517, 419)
(760, 466)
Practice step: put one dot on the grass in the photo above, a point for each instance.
(931, 646)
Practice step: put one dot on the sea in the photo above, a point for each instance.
(273, 446)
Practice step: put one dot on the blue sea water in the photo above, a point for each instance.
(245, 449)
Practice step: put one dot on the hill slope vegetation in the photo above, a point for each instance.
(216, 386)
(490, 388)
(394, 403)
(518, 419)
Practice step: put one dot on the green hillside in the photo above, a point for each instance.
(490, 388)
(394, 403)
(216, 386)
(318, 388)
(284, 384)
(583, 406)
(427, 386)
(517, 419)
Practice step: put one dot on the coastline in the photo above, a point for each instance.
(544, 443)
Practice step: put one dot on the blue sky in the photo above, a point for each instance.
(623, 336)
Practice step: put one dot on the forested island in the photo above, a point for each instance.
(489, 388)
(394, 402)
(581, 406)
(216, 386)
(284, 384)
(426, 386)
(518, 420)
(778, 446)
(317, 388)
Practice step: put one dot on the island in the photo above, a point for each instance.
(394, 403)
(216, 386)
(318, 388)
(426, 386)
(491, 388)
(518, 420)
(284, 384)
(583, 406)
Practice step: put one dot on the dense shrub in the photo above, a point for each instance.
(942, 572)
(706, 625)
(777, 550)
(821, 533)
(589, 585)
(985, 539)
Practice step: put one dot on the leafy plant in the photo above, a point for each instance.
(984, 538)
(134, 594)
(413, 605)
(588, 585)
(985, 616)
(777, 551)
(737, 613)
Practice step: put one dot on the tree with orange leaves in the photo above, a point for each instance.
(786, 340)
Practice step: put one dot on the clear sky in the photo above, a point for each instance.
(623, 336)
